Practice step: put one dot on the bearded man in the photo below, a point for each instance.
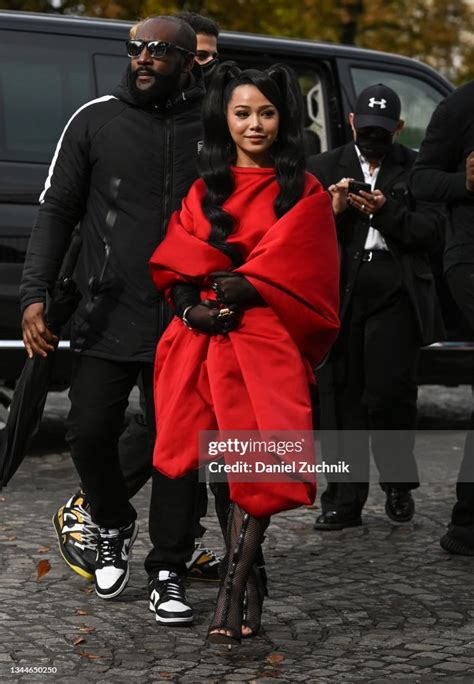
(121, 167)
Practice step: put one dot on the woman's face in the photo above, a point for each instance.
(253, 125)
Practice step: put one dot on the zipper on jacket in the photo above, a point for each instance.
(165, 205)
(166, 196)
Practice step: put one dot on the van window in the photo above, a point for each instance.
(109, 70)
(418, 98)
(40, 88)
(316, 135)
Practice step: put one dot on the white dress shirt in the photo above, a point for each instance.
(374, 239)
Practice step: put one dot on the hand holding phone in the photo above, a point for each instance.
(366, 201)
(355, 187)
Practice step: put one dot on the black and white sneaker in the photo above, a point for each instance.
(111, 566)
(168, 599)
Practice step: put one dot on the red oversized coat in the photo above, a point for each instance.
(256, 377)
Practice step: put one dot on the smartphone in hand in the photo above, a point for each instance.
(355, 187)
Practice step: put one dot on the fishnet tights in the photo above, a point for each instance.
(255, 593)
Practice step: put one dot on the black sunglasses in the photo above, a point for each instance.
(155, 48)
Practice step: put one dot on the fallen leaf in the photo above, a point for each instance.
(42, 568)
(275, 658)
(87, 629)
(11, 538)
(88, 590)
(43, 549)
(80, 612)
(4, 529)
(166, 675)
(91, 656)
(79, 640)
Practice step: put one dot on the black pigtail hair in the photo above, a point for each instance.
(215, 156)
(279, 85)
(288, 149)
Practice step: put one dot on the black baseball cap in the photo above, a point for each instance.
(379, 106)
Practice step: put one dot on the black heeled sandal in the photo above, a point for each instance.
(245, 534)
(255, 594)
(227, 638)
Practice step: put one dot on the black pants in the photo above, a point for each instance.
(136, 465)
(99, 397)
(461, 283)
(374, 389)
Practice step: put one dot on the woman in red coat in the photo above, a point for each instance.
(250, 264)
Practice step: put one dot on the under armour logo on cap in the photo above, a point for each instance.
(379, 103)
(377, 106)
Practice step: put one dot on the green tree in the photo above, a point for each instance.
(438, 32)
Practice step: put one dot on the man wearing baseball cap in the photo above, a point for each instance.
(367, 389)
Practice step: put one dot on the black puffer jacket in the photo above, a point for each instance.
(120, 171)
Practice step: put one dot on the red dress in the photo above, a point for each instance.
(256, 377)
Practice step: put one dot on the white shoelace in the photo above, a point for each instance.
(204, 549)
(90, 532)
(87, 529)
(108, 546)
(214, 557)
(174, 590)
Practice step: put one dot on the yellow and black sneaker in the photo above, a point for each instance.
(204, 564)
(77, 535)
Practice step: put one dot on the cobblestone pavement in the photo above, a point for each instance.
(373, 604)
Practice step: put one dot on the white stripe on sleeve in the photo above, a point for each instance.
(47, 184)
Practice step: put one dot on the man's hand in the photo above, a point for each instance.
(470, 173)
(211, 319)
(338, 193)
(367, 202)
(36, 336)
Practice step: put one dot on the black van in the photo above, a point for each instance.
(51, 64)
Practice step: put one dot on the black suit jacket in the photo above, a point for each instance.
(411, 230)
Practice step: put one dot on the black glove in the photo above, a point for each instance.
(234, 289)
(208, 317)
(184, 295)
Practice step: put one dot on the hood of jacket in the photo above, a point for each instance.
(194, 90)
